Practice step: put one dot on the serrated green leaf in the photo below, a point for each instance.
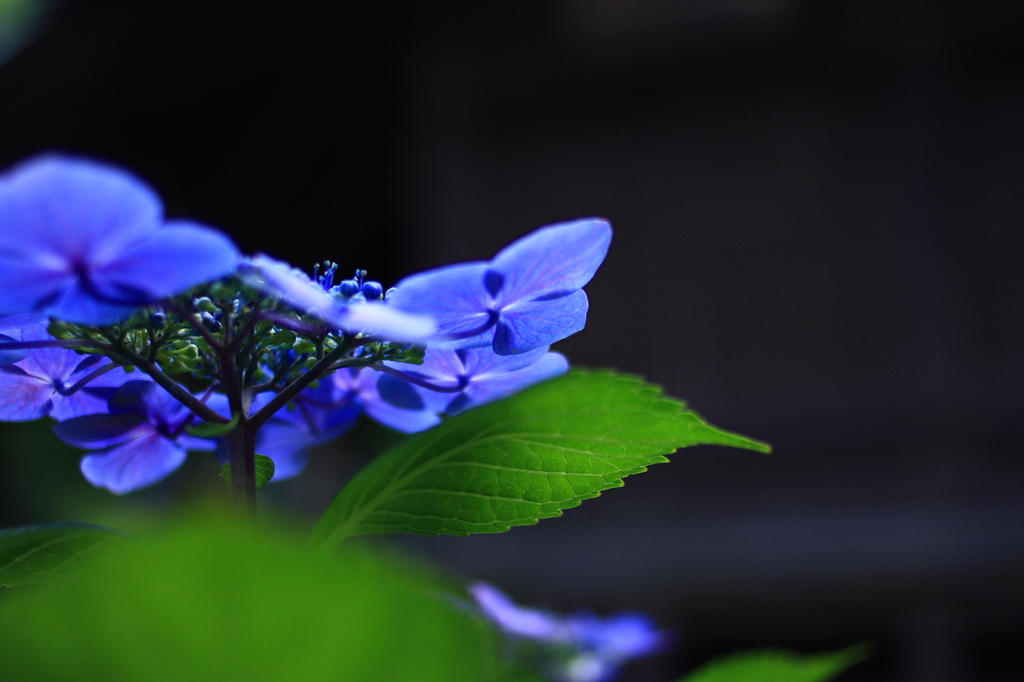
(211, 429)
(519, 460)
(772, 665)
(35, 554)
(264, 471)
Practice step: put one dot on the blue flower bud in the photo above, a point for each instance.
(348, 288)
(158, 319)
(373, 291)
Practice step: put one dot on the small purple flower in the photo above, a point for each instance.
(351, 314)
(56, 382)
(143, 438)
(582, 647)
(87, 243)
(529, 295)
(518, 620)
(469, 377)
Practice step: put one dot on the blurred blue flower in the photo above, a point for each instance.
(55, 382)
(143, 438)
(87, 242)
(580, 648)
(529, 295)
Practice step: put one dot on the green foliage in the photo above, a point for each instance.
(264, 470)
(35, 554)
(772, 665)
(519, 460)
(213, 430)
(211, 600)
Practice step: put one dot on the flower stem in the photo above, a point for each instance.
(241, 445)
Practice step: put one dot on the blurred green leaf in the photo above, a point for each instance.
(212, 430)
(212, 600)
(519, 460)
(35, 554)
(264, 470)
(772, 665)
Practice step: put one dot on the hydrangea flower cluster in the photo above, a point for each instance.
(581, 647)
(146, 338)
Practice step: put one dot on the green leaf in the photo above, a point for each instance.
(264, 471)
(519, 460)
(35, 554)
(213, 599)
(211, 429)
(772, 665)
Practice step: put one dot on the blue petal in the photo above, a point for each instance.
(490, 386)
(530, 325)
(287, 445)
(133, 465)
(454, 296)
(619, 637)
(174, 258)
(398, 393)
(23, 397)
(363, 383)
(58, 208)
(517, 620)
(102, 430)
(61, 217)
(277, 278)
(9, 357)
(553, 259)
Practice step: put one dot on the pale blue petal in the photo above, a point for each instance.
(553, 259)
(528, 325)
(280, 280)
(382, 321)
(139, 463)
(518, 620)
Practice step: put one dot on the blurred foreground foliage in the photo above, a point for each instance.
(207, 599)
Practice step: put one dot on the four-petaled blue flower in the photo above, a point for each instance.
(143, 437)
(87, 243)
(529, 295)
(55, 382)
(451, 381)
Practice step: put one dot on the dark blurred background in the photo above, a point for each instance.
(818, 243)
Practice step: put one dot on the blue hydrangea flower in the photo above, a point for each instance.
(468, 377)
(351, 313)
(529, 295)
(322, 413)
(143, 438)
(87, 243)
(582, 647)
(56, 382)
